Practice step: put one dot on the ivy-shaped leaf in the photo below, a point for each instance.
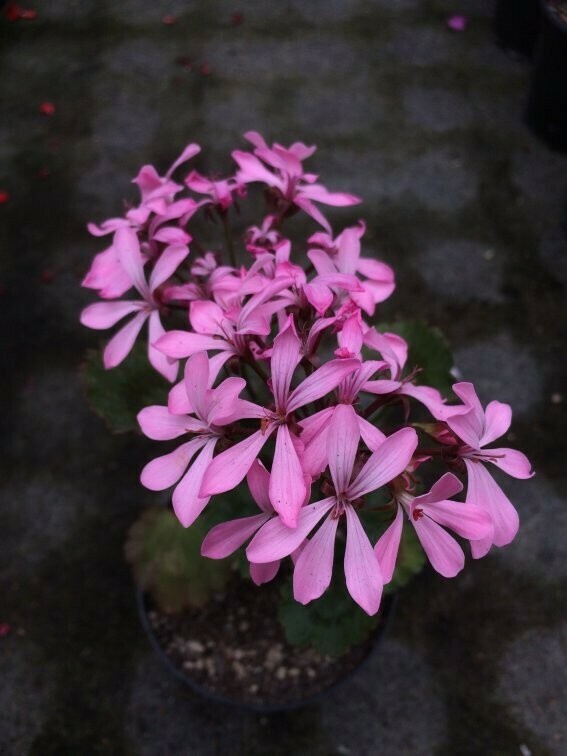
(428, 350)
(167, 562)
(118, 395)
(331, 624)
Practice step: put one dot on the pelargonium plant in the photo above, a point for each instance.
(302, 430)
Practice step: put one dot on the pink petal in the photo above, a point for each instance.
(167, 366)
(511, 461)
(158, 423)
(207, 317)
(372, 437)
(467, 427)
(177, 401)
(484, 492)
(128, 252)
(389, 460)
(285, 358)
(120, 345)
(187, 503)
(251, 169)
(223, 405)
(321, 261)
(229, 468)
(466, 519)
(180, 344)
(428, 396)
(163, 472)
(106, 314)
(276, 541)
(349, 250)
(287, 486)
(224, 539)
(362, 570)
(388, 545)
(336, 199)
(310, 209)
(196, 380)
(319, 296)
(263, 573)
(169, 260)
(321, 382)
(497, 419)
(447, 486)
(258, 479)
(190, 151)
(314, 568)
(342, 444)
(444, 553)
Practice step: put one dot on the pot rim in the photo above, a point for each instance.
(388, 605)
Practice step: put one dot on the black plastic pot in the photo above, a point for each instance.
(546, 110)
(387, 609)
(516, 23)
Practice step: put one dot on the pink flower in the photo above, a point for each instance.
(213, 409)
(477, 428)
(313, 569)
(343, 255)
(287, 485)
(286, 177)
(428, 513)
(220, 192)
(224, 539)
(103, 315)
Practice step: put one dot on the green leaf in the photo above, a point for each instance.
(167, 562)
(428, 350)
(331, 625)
(118, 395)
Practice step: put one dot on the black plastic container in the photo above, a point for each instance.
(516, 23)
(387, 609)
(546, 109)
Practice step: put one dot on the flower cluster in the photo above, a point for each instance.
(288, 385)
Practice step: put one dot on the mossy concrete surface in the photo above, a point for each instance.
(426, 125)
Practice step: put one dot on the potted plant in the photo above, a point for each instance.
(298, 432)
(546, 111)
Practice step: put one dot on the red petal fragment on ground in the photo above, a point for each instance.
(47, 276)
(43, 173)
(458, 23)
(4, 197)
(4, 629)
(237, 18)
(28, 14)
(205, 69)
(169, 20)
(13, 12)
(47, 108)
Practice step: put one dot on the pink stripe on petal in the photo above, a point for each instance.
(224, 539)
(342, 444)
(388, 545)
(187, 503)
(484, 492)
(285, 358)
(158, 423)
(120, 345)
(276, 541)
(196, 378)
(229, 468)
(128, 252)
(389, 460)
(287, 486)
(263, 573)
(104, 315)
(314, 568)
(163, 472)
(362, 570)
(510, 461)
(444, 553)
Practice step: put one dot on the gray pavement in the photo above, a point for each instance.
(471, 211)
